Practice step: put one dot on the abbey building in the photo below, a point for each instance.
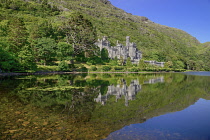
(124, 52)
(120, 51)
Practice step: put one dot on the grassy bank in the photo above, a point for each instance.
(83, 67)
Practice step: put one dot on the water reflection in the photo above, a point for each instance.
(91, 106)
(128, 92)
(121, 90)
(155, 80)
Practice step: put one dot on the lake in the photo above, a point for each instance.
(145, 106)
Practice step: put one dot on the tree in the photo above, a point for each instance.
(178, 64)
(114, 62)
(64, 51)
(128, 62)
(168, 64)
(104, 55)
(26, 59)
(3, 27)
(142, 65)
(17, 35)
(42, 28)
(45, 50)
(8, 62)
(121, 61)
(80, 33)
(63, 66)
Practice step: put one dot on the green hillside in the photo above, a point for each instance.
(43, 32)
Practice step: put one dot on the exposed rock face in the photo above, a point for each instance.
(120, 51)
(105, 1)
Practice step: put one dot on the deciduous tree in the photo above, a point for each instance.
(45, 50)
(80, 33)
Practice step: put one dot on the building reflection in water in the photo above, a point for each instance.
(129, 92)
(155, 80)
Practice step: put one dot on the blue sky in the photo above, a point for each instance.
(192, 16)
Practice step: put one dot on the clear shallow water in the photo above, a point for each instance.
(191, 123)
(200, 73)
(105, 106)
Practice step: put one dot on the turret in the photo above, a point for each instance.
(127, 41)
(104, 38)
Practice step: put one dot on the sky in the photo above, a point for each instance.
(192, 16)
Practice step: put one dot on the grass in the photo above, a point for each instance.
(78, 66)
(47, 68)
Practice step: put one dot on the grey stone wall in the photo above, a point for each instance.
(125, 52)
(153, 62)
(120, 51)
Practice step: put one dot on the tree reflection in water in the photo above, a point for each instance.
(67, 106)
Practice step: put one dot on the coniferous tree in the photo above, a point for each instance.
(17, 35)
(80, 33)
(45, 50)
(104, 55)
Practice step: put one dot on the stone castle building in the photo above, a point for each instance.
(153, 62)
(124, 52)
(120, 51)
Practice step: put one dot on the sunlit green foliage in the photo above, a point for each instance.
(63, 66)
(27, 59)
(106, 68)
(8, 62)
(45, 50)
(93, 68)
(70, 28)
(104, 55)
(64, 51)
(79, 32)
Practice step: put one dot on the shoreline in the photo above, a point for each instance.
(35, 73)
(61, 72)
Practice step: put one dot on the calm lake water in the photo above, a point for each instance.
(168, 106)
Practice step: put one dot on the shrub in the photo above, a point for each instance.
(83, 69)
(93, 75)
(106, 68)
(134, 69)
(88, 63)
(118, 68)
(78, 66)
(63, 66)
(106, 75)
(179, 70)
(93, 68)
(71, 66)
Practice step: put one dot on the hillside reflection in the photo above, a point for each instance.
(128, 92)
(91, 106)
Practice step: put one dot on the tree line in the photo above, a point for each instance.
(36, 33)
(27, 40)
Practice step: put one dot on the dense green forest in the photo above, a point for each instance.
(61, 34)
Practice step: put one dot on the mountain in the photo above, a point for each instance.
(206, 45)
(157, 42)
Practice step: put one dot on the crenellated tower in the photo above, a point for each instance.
(127, 41)
(120, 51)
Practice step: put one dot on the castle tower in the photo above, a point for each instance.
(104, 38)
(127, 41)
